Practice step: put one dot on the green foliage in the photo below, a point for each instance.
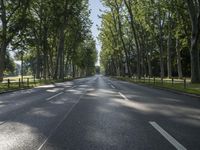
(9, 66)
(52, 37)
(145, 37)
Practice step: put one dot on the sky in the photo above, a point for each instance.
(96, 6)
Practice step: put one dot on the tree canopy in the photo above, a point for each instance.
(53, 37)
(151, 38)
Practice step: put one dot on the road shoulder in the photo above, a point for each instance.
(160, 88)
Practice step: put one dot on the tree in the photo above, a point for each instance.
(155, 35)
(194, 10)
(13, 19)
(54, 37)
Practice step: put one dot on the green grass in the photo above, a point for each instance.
(14, 83)
(13, 86)
(177, 85)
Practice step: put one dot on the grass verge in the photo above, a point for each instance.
(176, 85)
(15, 85)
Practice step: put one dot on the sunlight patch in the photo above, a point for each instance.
(54, 90)
(41, 112)
(46, 86)
(14, 133)
(133, 104)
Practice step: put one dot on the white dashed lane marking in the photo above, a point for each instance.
(112, 86)
(167, 136)
(50, 98)
(122, 95)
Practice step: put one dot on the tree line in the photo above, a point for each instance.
(52, 38)
(151, 38)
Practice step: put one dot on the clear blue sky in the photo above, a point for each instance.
(96, 6)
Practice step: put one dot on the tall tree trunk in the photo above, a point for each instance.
(128, 6)
(179, 65)
(121, 37)
(22, 67)
(194, 53)
(56, 67)
(73, 70)
(3, 39)
(161, 56)
(142, 61)
(169, 63)
(45, 52)
(59, 70)
(142, 45)
(194, 7)
(149, 64)
(38, 65)
(162, 71)
(61, 49)
(2, 60)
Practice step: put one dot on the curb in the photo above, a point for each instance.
(172, 91)
(164, 89)
(10, 91)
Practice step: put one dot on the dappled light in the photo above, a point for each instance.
(99, 74)
(41, 112)
(55, 90)
(134, 105)
(12, 138)
(75, 91)
(96, 113)
(47, 86)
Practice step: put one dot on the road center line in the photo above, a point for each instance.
(122, 95)
(54, 96)
(167, 136)
(59, 123)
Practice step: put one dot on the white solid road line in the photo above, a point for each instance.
(122, 95)
(59, 123)
(172, 140)
(54, 96)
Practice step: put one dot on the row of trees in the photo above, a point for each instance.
(151, 38)
(52, 37)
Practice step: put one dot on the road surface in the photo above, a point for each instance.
(98, 113)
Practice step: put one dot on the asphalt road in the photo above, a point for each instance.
(98, 113)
